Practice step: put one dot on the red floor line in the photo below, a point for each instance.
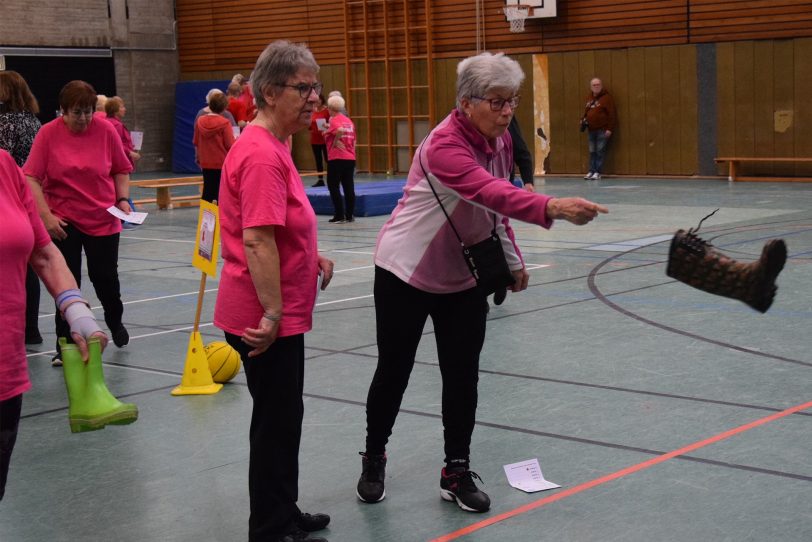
(619, 474)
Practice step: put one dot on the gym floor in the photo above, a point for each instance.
(665, 413)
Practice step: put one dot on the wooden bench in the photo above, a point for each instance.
(163, 191)
(733, 162)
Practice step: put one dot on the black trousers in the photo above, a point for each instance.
(320, 154)
(9, 421)
(102, 269)
(211, 184)
(32, 290)
(342, 172)
(401, 311)
(275, 381)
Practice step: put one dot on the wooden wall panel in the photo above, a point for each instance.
(803, 113)
(727, 20)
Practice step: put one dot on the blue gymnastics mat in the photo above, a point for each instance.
(371, 199)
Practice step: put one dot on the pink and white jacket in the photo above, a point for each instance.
(469, 173)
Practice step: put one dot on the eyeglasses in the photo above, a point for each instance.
(305, 89)
(81, 112)
(498, 104)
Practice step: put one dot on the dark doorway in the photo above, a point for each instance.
(46, 75)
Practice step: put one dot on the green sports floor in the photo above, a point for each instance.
(665, 413)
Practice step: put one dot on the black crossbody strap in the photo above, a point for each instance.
(428, 180)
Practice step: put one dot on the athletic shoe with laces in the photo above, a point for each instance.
(596, 176)
(588, 176)
(56, 361)
(311, 522)
(457, 484)
(120, 336)
(337, 220)
(373, 471)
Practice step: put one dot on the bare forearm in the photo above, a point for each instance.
(50, 266)
(263, 263)
(122, 181)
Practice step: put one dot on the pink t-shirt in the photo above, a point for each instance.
(21, 230)
(76, 172)
(124, 135)
(260, 186)
(340, 138)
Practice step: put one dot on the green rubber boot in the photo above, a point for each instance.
(91, 405)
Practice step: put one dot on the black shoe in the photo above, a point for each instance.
(56, 361)
(499, 296)
(311, 522)
(298, 535)
(337, 220)
(319, 183)
(120, 336)
(457, 484)
(350, 218)
(33, 337)
(370, 485)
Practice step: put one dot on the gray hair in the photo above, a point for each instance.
(336, 103)
(280, 61)
(211, 93)
(476, 75)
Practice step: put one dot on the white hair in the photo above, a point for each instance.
(211, 93)
(336, 103)
(477, 75)
(334, 93)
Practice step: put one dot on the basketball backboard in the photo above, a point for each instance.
(538, 9)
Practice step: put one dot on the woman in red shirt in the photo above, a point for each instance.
(317, 128)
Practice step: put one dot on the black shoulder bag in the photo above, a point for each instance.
(485, 259)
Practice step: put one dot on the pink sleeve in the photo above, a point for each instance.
(41, 237)
(120, 163)
(37, 163)
(263, 195)
(127, 139)
(454, 165)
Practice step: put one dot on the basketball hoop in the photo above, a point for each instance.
(516, 16)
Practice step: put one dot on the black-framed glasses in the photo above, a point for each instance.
(498, 104)
(82, 112)
(305, 89)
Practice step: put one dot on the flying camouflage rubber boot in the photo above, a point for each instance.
(91, 405)
(697, 263)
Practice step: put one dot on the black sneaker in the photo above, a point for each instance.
(350, 218)
(298, 535)
(457, 484)
(499, 296)
(370, 485)
(337, 220)
(311, 522)
(319, 183)
(56, 361)
(120, 336)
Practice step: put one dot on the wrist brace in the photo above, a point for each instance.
(81, 320)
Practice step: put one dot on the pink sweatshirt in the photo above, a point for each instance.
(21, 231)
(340, 138)
(469, 173)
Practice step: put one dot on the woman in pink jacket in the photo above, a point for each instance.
(463, 164)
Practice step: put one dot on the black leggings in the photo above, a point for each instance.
(102, 269)
(9, 421)
(275, 382)
(341, 172)
(320, 154)
(211, 184)
(401, 312)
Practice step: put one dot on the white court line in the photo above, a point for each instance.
(530, 267)
(143, 300)
(353, 269)
(162, 240)
(626, 246)
(348, 251)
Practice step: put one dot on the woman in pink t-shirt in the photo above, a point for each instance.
(77, 169)
(318, 121)
(268, 284)
(24, 241)
(115, 110)
(340, 140)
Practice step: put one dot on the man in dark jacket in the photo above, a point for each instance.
(600, 117)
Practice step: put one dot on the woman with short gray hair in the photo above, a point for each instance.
(268, 285)
(457, 192)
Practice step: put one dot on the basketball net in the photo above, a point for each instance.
(516, 17)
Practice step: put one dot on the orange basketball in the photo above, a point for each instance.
(224, 361)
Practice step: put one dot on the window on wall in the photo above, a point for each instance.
(46, 75)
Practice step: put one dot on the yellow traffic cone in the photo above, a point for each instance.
(196, 378)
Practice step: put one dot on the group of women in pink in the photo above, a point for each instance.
(457, 191)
